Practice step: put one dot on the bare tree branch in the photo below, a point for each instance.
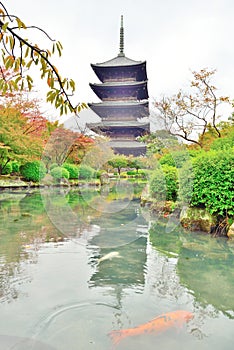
(182, 112)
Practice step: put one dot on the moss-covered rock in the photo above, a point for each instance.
(197, 219)
(230, 232)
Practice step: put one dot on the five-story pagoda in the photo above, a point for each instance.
(124, 106)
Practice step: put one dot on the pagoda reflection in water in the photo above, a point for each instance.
(123, 230)
(124, 106)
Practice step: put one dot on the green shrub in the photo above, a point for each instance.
(99, 173)
(164, 183)
(86, 172)
(72, 169)
(131, 172)
(157, 185)
(7, 169)
(142, 173)
(223, 143)
(167, 159)
(176, 159)
(186, 178)
(53, 165)
(59, 173)
(171, 178)
(213, 185)
(33, 171)
(15, 166)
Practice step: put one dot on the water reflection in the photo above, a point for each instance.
(204, 265)
(118, 252)
(31, 218)
(78, 293)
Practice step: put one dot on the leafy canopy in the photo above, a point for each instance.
(20, 55)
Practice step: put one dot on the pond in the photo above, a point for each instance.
(78, 264)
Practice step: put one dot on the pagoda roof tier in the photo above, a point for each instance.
(120, 60)
(118, 90)
(116, 130)
(126, 144)
(108, 109)
(120, 68)
(128, 147)
(119, 124)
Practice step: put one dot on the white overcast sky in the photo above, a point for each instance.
(174, 37)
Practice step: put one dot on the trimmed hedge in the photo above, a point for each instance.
(86, 172)
(53, 165)
(72, 169)
(59, 173)
(33, 171)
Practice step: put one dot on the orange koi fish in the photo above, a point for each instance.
(157, 325)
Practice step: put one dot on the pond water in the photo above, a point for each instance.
(77, 264)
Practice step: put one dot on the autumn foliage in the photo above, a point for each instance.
(26, 135)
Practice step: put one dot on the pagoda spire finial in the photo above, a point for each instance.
(121, 42)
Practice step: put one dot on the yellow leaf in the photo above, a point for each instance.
(20, 23)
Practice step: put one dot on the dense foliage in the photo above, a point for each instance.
(224, 143)
(72, 169)
(176, 159)
(164, 183)
(15, 166)
(86, 172)
(59, 173)
(33, 171)
(213, 183)
(19, 138)
(65, 145)
(7, 169)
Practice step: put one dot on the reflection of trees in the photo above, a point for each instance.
(201, 263)
(205, 264)
(22, 223)
(25, 225)
(168, 243)
(9, 277)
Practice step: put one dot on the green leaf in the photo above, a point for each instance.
(59, 49)
(4, 27)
